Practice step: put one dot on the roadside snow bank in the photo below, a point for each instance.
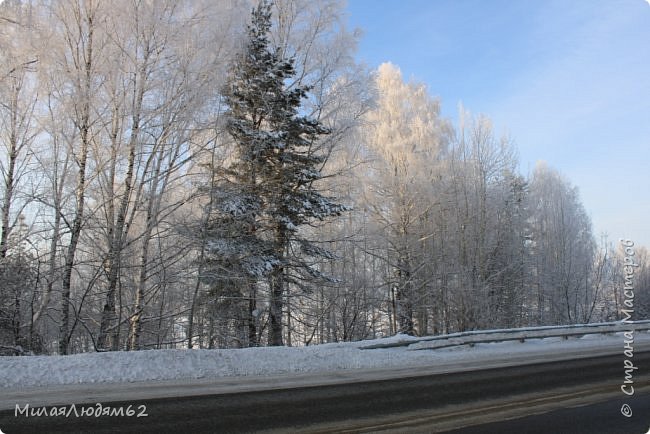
(137, 366)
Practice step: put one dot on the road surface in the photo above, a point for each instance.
(600, 418)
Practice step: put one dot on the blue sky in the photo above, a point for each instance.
(569, 81)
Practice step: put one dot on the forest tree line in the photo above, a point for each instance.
(186, 174)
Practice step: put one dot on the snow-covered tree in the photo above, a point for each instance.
(563, 249)
(270, 189)
(408, 138)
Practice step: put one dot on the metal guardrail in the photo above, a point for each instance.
(518, 334)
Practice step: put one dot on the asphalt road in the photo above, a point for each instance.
(601, 418)
(299, 409)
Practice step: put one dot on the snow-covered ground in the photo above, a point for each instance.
(162, 365)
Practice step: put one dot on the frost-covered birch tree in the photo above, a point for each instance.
(409, 138)
(18, 130)
(563, 249)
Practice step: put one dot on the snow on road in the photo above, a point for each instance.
(17, 373)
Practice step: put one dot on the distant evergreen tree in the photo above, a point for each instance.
(269, 190)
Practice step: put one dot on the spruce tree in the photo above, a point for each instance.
(271, 189)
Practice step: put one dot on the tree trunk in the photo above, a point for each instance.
(9, 191)
(136, 318)
(75, 233)
(275, 308)
(109, 321)
(252, 315)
